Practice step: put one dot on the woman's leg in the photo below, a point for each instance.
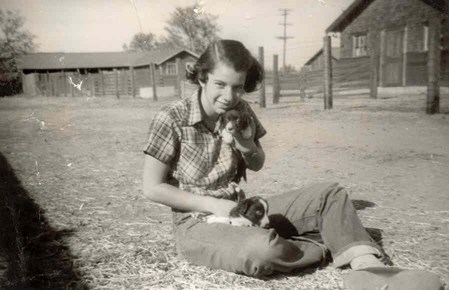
(326, 208)
(255, 251)
(252, 251)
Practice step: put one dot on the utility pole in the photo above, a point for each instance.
(285, 37)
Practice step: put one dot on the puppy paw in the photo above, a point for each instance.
(240, 222)
(227, 137)
(217, 219)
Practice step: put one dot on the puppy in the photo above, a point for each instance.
(248, 212)
(233, 121)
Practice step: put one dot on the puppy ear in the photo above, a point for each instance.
(245, 120)
(240, 195)
(244, 206)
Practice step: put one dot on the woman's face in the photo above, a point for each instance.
(223, 89)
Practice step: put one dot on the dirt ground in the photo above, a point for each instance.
(73, 171)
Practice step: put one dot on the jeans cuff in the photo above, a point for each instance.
(344, 257)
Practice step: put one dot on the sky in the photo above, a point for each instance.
(105, 25)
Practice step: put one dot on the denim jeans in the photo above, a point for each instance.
(319, 208)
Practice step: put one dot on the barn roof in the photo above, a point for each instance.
(63, 60)
(335, 55)
(357, 7)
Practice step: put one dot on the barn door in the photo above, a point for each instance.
(392, 68)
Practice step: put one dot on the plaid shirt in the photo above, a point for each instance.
(200, 162)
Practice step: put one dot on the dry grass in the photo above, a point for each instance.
(80, 161)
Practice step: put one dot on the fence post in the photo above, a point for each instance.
(64, 81)
(78, 74)
(133, 89)
(123, 81)
(381, 58)
(276, 84)
(103, 90)
(47, 84)
(52, 84)
(302, 84)
(56, 83)
(433, 66)
(89, 83)
(262, 102)
(153, 79)
(117, 93)
(404, 56)
(72, 91)
(327, 72)
(179, 72)
(374, 50)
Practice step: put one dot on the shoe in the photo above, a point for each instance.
(391, 278)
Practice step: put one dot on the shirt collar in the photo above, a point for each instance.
(195, 115)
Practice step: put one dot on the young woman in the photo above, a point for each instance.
(188, 168)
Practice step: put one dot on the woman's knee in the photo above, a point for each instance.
(267, 253)
(332, 192)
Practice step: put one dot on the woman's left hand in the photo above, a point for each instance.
(246, 145)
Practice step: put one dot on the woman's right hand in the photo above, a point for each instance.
(223, 207)
(156, 188)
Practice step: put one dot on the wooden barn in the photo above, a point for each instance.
(391, 36)
(398, 32)
(103, 73)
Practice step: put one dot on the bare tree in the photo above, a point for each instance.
(188, 28)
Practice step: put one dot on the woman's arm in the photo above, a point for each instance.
(251, 150)
(158, 190)
(254, 157)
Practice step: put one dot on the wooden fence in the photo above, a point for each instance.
(354, 73)
(347, 74)
(116, 82)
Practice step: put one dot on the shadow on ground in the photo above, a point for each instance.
(32, 254)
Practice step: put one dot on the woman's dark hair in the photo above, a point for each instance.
(232, 53)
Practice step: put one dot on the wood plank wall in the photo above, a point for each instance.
(96, 83)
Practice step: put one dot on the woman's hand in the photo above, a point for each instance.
(252, 151)
(158, 190)
(222, 207)
(246, 145)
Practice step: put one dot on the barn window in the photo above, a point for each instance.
(170, 69)
(359, 45)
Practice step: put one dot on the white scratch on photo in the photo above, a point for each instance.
(78, 86)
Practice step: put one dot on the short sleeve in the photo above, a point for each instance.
(163, 139)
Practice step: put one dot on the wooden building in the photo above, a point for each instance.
(316, 62)
(102, 73)
(398, 32)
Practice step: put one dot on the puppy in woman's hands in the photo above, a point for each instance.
(234, 122)
(248, 212)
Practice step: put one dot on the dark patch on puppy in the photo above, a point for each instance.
(232, 122)
(254, 209)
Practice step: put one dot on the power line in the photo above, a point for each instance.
(285, 37)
